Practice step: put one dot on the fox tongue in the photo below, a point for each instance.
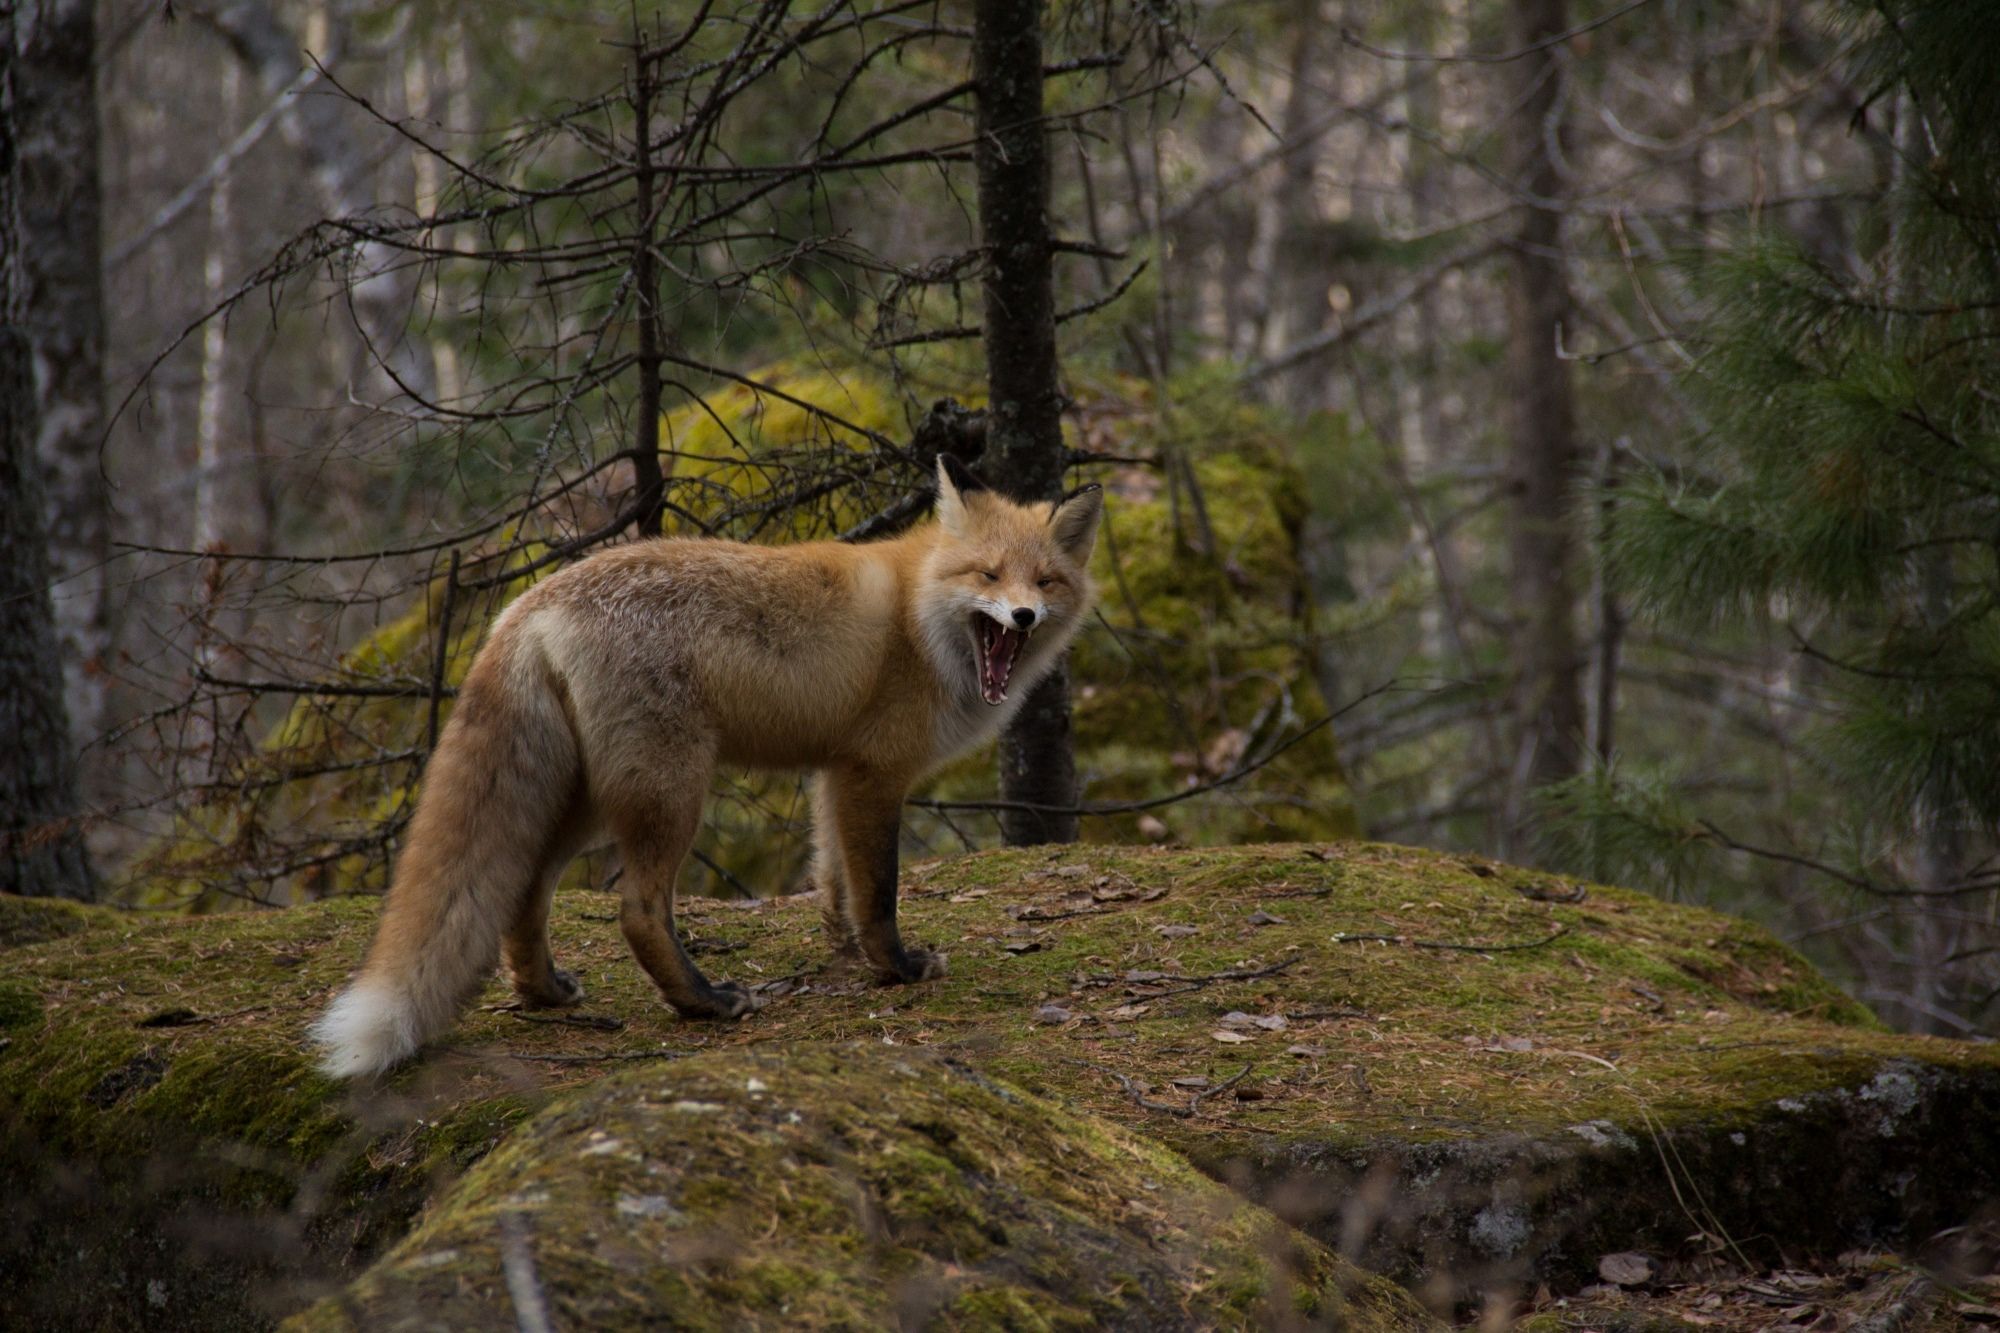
(999, 646)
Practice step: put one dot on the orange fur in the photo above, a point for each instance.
(606, 695)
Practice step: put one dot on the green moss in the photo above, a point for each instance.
(1652, 1017)
(1012, 1309)
(32, 920)
(597, 1193)
(20, 1004)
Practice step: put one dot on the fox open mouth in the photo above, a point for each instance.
(999, 648)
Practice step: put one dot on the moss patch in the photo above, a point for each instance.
(32, 920)
(853, 1186)
(1289, 1017)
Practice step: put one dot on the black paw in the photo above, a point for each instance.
(558, 990)
(722, 999)
(913, 965)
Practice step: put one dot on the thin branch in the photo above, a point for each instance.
(1494, 57)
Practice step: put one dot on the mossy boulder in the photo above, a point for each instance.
(1461, 1073)
(806, 1185)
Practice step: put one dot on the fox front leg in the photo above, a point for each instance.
(867, 811)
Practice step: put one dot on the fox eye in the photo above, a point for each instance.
(1043, 583)
(989, 576)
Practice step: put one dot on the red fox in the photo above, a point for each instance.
(605, 696)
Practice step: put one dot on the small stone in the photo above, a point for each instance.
(1231, 1038)
(649, 1205)
(1627, 1268)
(1176, 932)
(1052, 1013)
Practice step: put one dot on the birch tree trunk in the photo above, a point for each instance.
(41, 846)
(1024, 449)
(56, 155)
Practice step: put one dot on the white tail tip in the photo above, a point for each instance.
(365, 1031)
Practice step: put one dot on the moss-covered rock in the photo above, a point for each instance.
(846, 1186)
(1459, 1070)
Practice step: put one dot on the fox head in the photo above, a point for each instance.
(1007, 585)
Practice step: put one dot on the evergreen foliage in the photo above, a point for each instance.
(1845, 494)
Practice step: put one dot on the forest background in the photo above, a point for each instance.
(1563, 431)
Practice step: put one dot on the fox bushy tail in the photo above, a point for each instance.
(493, 796)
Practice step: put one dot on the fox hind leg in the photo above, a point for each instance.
(829, 876)
(655, 835)
(531, 966)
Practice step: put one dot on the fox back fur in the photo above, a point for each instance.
(606, 695)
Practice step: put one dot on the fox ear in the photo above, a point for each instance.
(954, 482)
(1075, 521)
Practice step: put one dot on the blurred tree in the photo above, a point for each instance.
(55, 128)
(1547, 699)
(41, 848)
(1849, 493)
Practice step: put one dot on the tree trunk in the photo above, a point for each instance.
(649, 483)
(41, 846)
(55, 145)
(1547, 705)
(1024, 449)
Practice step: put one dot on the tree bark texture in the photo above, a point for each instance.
(41, 847)
(649, 480)
(1547, 703)
(1024, 448)
(56, 156)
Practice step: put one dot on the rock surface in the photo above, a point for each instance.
(845, 1186)
(1466, 1075)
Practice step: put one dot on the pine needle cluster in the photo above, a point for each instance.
(1845, 489)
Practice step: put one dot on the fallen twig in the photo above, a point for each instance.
(1194, 1103)
(1137, 1094)
(597, 1059)
(592, 1022)
(1344, 938)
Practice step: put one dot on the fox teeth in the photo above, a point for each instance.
(999, 648)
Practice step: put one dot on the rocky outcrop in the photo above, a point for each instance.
(1464, 1075)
